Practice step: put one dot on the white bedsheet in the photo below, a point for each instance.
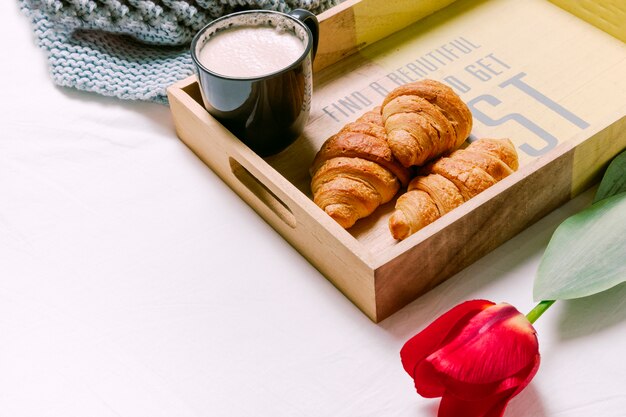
(133, 282)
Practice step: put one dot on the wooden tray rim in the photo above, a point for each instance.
(292, 196)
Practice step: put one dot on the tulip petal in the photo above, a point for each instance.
(420, 346)
(494, 406)
(531, 373)
(495, 344)
(475, 392)
(428, 382)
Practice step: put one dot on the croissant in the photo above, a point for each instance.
(450, 181)
(424, 120)
(355, 171)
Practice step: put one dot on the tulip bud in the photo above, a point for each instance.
(476, 357)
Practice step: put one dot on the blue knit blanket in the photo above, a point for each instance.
(131, 49)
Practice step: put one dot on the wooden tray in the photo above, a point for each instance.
(529, 71)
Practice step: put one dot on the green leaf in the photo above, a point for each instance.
(587, 253)
(614, 179)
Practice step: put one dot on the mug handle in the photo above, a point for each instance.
(310, 20)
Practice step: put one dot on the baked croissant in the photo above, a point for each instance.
(424, 120)
(450, 181)
(355, 171)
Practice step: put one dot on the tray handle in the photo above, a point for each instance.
(264, 194)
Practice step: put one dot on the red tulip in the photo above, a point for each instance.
(477, 356)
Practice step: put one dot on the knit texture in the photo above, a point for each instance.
(131, 49)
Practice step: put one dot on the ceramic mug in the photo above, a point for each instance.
(267, 112)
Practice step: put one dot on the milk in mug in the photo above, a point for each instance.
(250, 51)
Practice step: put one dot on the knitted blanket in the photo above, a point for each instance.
(131, 49)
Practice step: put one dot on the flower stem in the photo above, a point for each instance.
(539, 309)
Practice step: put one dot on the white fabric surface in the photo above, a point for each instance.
(133, 282)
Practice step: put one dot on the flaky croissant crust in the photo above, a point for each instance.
(355, 171)
(449, 181)
(424, 120)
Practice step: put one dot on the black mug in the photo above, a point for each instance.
(266, 112)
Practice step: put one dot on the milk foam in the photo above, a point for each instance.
(250, 51)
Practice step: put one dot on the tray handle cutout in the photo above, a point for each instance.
(263, 193)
